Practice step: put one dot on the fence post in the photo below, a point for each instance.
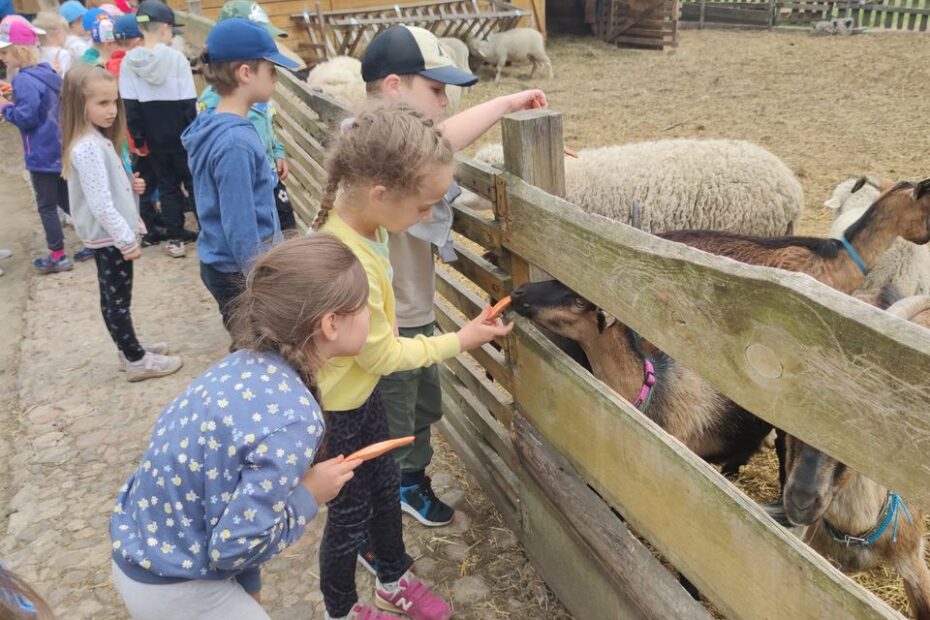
(533, 151)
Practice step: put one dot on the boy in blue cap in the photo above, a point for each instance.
(76, 42)
(99, 25)
(233, 184)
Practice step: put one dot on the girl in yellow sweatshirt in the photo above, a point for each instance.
(389, 167)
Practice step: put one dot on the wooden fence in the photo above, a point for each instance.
(561, 455)
(895, 15)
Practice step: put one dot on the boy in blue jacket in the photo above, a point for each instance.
(233, 184)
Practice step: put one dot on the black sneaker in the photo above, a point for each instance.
(419, 501)
(188, 235)
(368, 559)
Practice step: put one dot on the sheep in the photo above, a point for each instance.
(687, 407)
(341, 78)
(518, 45)
(458, 52)
(905, 265)
(915, 309)
(709, 184)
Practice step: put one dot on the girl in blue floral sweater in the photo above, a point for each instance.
(226, 481)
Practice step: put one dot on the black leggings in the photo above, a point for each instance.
(369, 502)
(115, 277)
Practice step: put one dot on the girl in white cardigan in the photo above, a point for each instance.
(104, 208)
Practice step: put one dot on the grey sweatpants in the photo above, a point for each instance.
(201, 599)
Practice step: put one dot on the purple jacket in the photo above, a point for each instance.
(36, 91)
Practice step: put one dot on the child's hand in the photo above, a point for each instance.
(481, 331)
(281, 166)
(137, 253)
(138, 184)
(325, 480)
(528, 100)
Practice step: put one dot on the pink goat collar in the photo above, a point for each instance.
(649, 380)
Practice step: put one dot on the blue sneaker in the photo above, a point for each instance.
(47, 264)
(420, 502)
(83, 255)
(368, 559)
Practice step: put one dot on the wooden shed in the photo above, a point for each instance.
(281, 11)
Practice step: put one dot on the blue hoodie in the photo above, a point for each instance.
(36, 91)
(217, 492)
(233, 190)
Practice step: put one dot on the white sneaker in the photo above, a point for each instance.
(175, 248)
(153, 365)
(159, 348)
(5, 254)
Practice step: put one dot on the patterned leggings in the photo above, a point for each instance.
(115, 277)
(369, 502)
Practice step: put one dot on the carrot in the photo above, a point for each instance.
(377, 449)
(571, 152)
(499, 308)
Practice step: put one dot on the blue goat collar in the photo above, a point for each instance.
(887, 518)
(854, 256)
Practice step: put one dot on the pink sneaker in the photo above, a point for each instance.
(366, 612)
(413, 599)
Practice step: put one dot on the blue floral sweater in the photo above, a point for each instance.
(218, 491)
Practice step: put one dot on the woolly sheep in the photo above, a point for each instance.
(519, 45)
(727, 185)
(341, 78)
(458, 52)
(905, 265)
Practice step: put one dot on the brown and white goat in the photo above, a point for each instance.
(902, 210)
(687, 407)
(834, 502)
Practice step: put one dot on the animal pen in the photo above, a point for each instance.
(894, 15)
(574, 469)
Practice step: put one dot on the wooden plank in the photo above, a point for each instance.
(628, 564)
(330, 110)
(477, 176)
(465, 300)
(737, 556)
(482, 229)
(479, 417)
(498, 402)
(489, 278)
(489, 357)
(827, 368)
(307, 142)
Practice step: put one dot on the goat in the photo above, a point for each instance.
(903, 210)
(915, 309)
(687, 407)
(854, 521)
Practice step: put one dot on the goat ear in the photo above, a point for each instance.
(922, 189)
(604, 321)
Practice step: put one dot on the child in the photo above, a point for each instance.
(261, 114)
(128, 37)
(389, 168)
(99, 25)
(234, 187)
(76, 42)
(52, 43)
(248, 448)
(104, 211)
(408, 64)
(157, 87)
(36, 90)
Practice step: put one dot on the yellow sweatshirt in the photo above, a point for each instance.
(347, 382)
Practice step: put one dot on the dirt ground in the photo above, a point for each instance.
(74, 429)
(830, 107)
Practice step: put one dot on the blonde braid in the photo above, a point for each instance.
(326, 204)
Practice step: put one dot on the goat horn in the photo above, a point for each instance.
(922, 188)
(874, 181)
(909, 307)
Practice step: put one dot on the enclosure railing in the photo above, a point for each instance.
(561, 455)
(895, 15)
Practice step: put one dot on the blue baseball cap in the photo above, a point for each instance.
(240, 39)
(126, 27)
(72, 10)
(91, 16)
(102, 30)
(409, 50)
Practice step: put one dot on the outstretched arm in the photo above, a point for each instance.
(467, 126)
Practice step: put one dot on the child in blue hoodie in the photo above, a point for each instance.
(35, 110)
(226, 482)
(233, 185)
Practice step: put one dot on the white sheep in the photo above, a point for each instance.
(519, 45)
(727, 185)
(458, 52)
(905, 265)
(341, 78)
